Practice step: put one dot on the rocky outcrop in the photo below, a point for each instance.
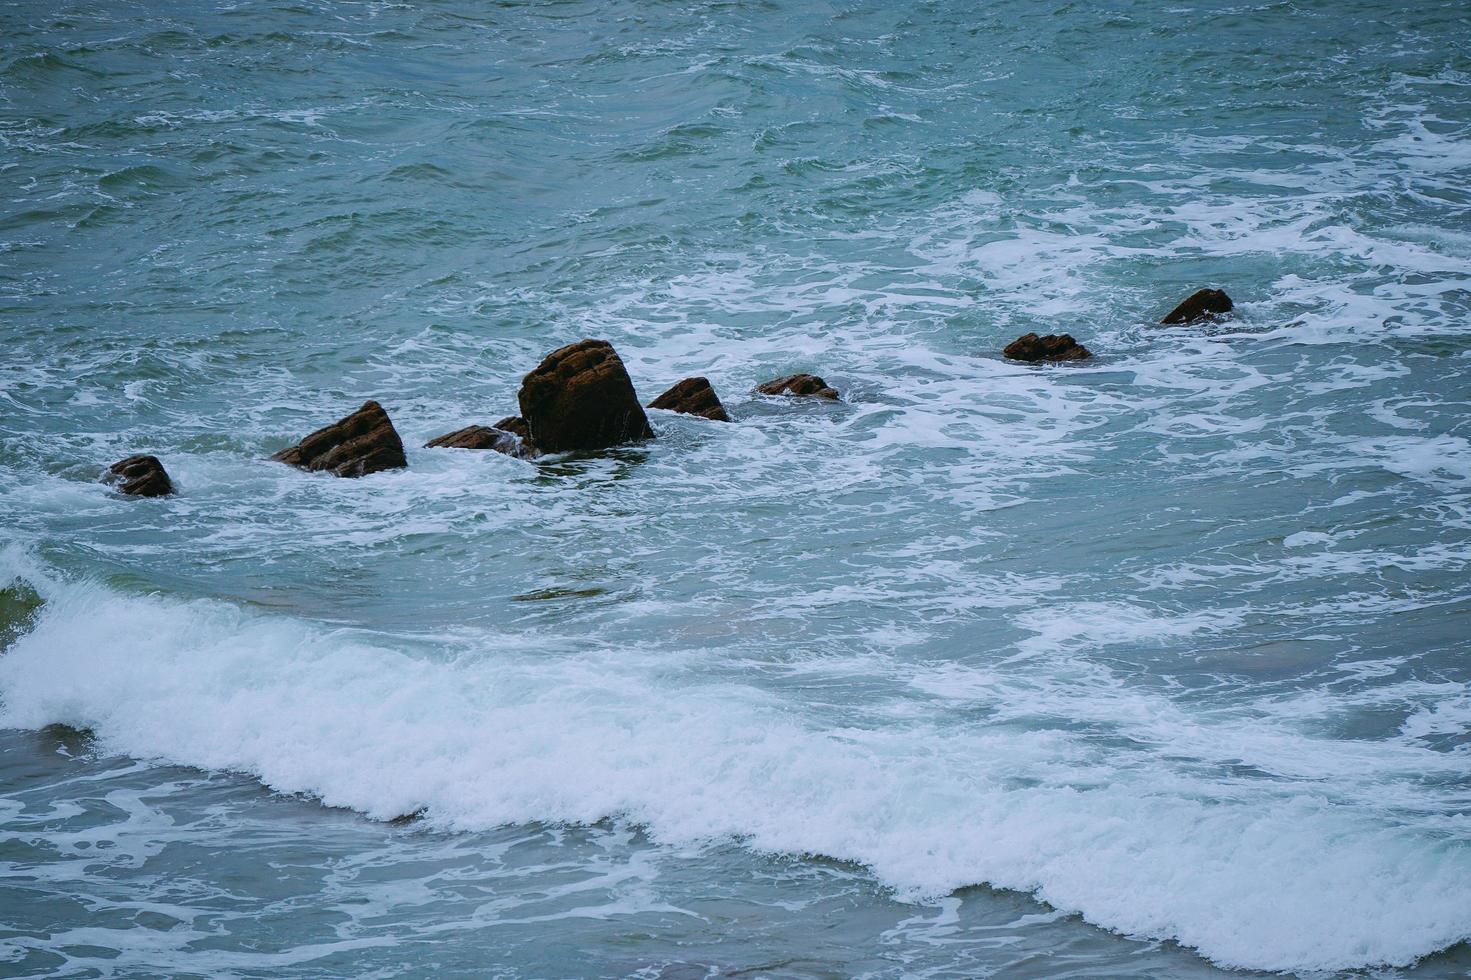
(692, 396)
(798, 384)
(361, 443)
(140, 476)
(580, 397)
(1202, 304)
(506, 436)
(1053, 347)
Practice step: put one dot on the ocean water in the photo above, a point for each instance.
(1154, 665)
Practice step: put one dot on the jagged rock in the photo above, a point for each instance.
(1053, 347)
(580, 397)
(692, 396)
(140, 476)
(1200, 305)
(356, 445)
(506, 436)
(798, 384)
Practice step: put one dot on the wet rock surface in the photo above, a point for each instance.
(798, 385)
(355, 445)
(140, 476)
(692, 396)
(1203, 304)
(499, 438)
(1053, 347)
(580, 397)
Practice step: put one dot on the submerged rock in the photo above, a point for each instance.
(355, 445)
(692, 396)
(20, 610)
(1200, 305)
(140, 476)
(506, 436)
(798, 385)
(1053, 347)
(580, 397)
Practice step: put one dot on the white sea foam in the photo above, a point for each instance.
(1273, 874)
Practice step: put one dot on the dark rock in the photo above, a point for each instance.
(798, 384)
(507, 436)
(1053, 347)
(140, 476)
(1200, 305)
(516, 426)
(692, 396)
(580, 397)
(356, 445)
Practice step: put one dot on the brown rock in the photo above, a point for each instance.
(356, 445)
(580, 397)
(1053, 347)
(140, 476)
(798, 384)
(692, 396)
(1200, 305)
(516, 426)
(507, 436)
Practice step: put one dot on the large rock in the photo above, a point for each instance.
(361, 443)
(1053, 347)
(140, 476)
(580, 397)
(506, 436)
(692, 396)
(798, 384)
(1200, 305)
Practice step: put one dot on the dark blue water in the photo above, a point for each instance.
(1150, 665)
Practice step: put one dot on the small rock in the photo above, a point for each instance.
(692, 396)
(504, 437)
(1200, 305)
(356, 445)
(580, 397)
(516, 426)
(140, 476)
(798, 384)
(1053, 347)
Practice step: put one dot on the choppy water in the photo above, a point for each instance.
(1151, 666)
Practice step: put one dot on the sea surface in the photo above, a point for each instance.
(1154, 665)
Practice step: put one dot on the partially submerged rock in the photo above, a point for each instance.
(1200, 305)
(1053, 347)
(356, 445)
(20, 610)
(580, 397)
(140, 476)
(692, 396)
(506, 436)
(798, 385)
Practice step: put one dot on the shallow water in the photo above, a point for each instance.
(1153, 665)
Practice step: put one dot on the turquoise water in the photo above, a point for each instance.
(1153, 665)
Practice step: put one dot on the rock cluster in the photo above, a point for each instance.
(692, 396)
(1203, 304)
(140, 476)
(355, 445)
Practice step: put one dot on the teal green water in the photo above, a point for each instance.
(1151, 665)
